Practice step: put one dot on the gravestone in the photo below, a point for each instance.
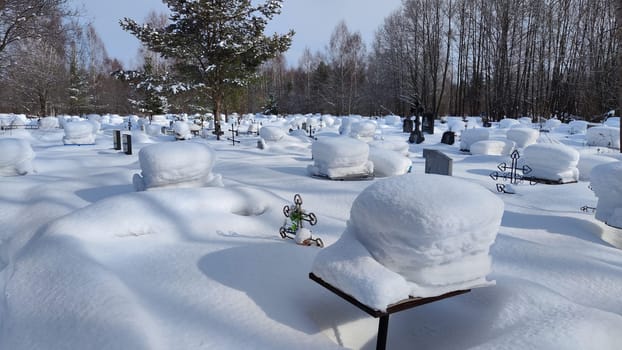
(428, 123)
(407, 126)
(416, 137)
(448, 138)
(436, 162)
(127, 143)
(116, 139)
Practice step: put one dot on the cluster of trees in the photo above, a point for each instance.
(465, 57)
(458, 57)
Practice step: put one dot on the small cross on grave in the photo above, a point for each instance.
(234, 132)
(295, 230)
(511, 173)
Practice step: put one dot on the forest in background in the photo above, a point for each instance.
(444, 57)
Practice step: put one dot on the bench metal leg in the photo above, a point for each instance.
(383, 329)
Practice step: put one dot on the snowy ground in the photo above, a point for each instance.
(87, 262)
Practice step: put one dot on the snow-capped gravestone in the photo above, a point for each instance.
(551, 163)
(470, 136)
(523, 137)
(413, 236)
(340, 158)
(176, 164)
(16, 157)
(79, 133)
(606, 181)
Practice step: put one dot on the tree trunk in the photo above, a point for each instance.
(619, 35)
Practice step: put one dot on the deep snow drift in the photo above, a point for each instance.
(86, 261)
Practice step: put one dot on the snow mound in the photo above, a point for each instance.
(554, 162)
(338, 157)
(408, 245)
(470, 136)
(603, 136)
(455, 125)
(16, 157)
(523, 137)
(493, 147)
(508, 123)
(388, 163)
(551, 124)
(271, 133)
(177, 164)
(364, 130)
(399, 147)
(182, 130)
(578, 126)
(393, 120)
(79, 133)
(587, 162)
(605, 181)
(612, 122)
(49, 123)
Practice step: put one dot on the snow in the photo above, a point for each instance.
(338, 157)
(492, 147)
(470, 136)
(523, 137)
(16, 157)
(553, 162)
(272, 133)
(588, 161)
(605, 181)
(180, 164)
(79, 132)
(363, 130)
(88, 262)
(398, 222)
(603, 136)
(388, 163)
(508, 123)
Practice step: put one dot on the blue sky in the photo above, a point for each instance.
(312, 20)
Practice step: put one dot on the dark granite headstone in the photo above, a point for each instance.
(436, 162)
(448, 138)
(408, 125)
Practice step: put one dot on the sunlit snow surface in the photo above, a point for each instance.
(88, 262)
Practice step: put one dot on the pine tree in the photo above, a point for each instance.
(217, 44)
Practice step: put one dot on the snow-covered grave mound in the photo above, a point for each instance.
(587, 162)
(340, 157)
(551, 124)
(393, 120)
(613, 122)
(455, 124)
(525, 121)
(470, 136)
(182, 130)
(578, 126)
(346, 123)
(79, 133)
(507, 123)
(16, 157)
(555, 163)
(493, 147)
(388, 163)
(363, 130)
(48, 123)
(271, 133)
(606, 181)
(400, 147)
(603, 136)
(523, 137)
(413, 236)
(176, 164)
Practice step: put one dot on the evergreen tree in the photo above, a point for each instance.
(78, 85)
(217, 45)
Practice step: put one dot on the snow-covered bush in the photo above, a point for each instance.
(470, 136)
(400, 240)
(271, 133)
(492, 147)
(363, 130)
(388, 163)
(16, 157)
(553, 162)
(588, 161)
(508, 123)
(339, 157)
(523, 137)
(176, 164)
(603, 136)
(79, 133)
(605, 181)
